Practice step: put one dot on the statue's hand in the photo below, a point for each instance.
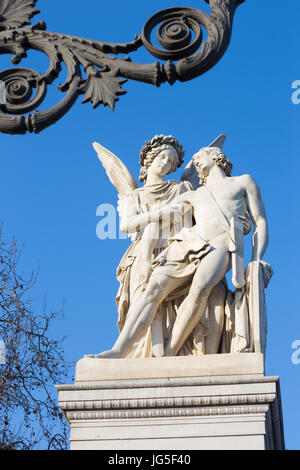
(267, 271)
(247, 222)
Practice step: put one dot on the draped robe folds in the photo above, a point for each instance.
(145, 199)
(246, 319)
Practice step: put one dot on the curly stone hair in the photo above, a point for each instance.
(153, 147)
(218, 157)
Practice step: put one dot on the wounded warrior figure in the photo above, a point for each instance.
(199, 257)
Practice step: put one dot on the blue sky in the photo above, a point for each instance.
(52, 183)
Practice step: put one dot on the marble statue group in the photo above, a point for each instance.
(187, 236)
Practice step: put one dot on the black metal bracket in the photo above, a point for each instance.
(179, 33)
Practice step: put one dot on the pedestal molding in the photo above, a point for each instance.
(74, 416)
(169, 382)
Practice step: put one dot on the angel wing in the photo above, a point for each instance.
(16, 13)
(190, 173)
(117, 172)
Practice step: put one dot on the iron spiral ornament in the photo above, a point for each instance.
(174, 33)
(180, 47)
(24, 88)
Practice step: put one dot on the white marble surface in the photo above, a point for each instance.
(182, 271)
(91, 369)
(195, 409)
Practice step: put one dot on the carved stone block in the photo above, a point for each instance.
(217, 402)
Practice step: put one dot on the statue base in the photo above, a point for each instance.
(211, 402)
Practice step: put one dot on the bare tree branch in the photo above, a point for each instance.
(34, 363)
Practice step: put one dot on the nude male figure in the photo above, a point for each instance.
(199, 257)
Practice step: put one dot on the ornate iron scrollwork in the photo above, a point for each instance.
(179, 33)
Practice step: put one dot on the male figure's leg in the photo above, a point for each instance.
(210, 272)
(141, 315)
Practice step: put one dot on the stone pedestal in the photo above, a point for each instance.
(207, 402)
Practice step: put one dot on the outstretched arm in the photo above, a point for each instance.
(260, 237)
(132, 222)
